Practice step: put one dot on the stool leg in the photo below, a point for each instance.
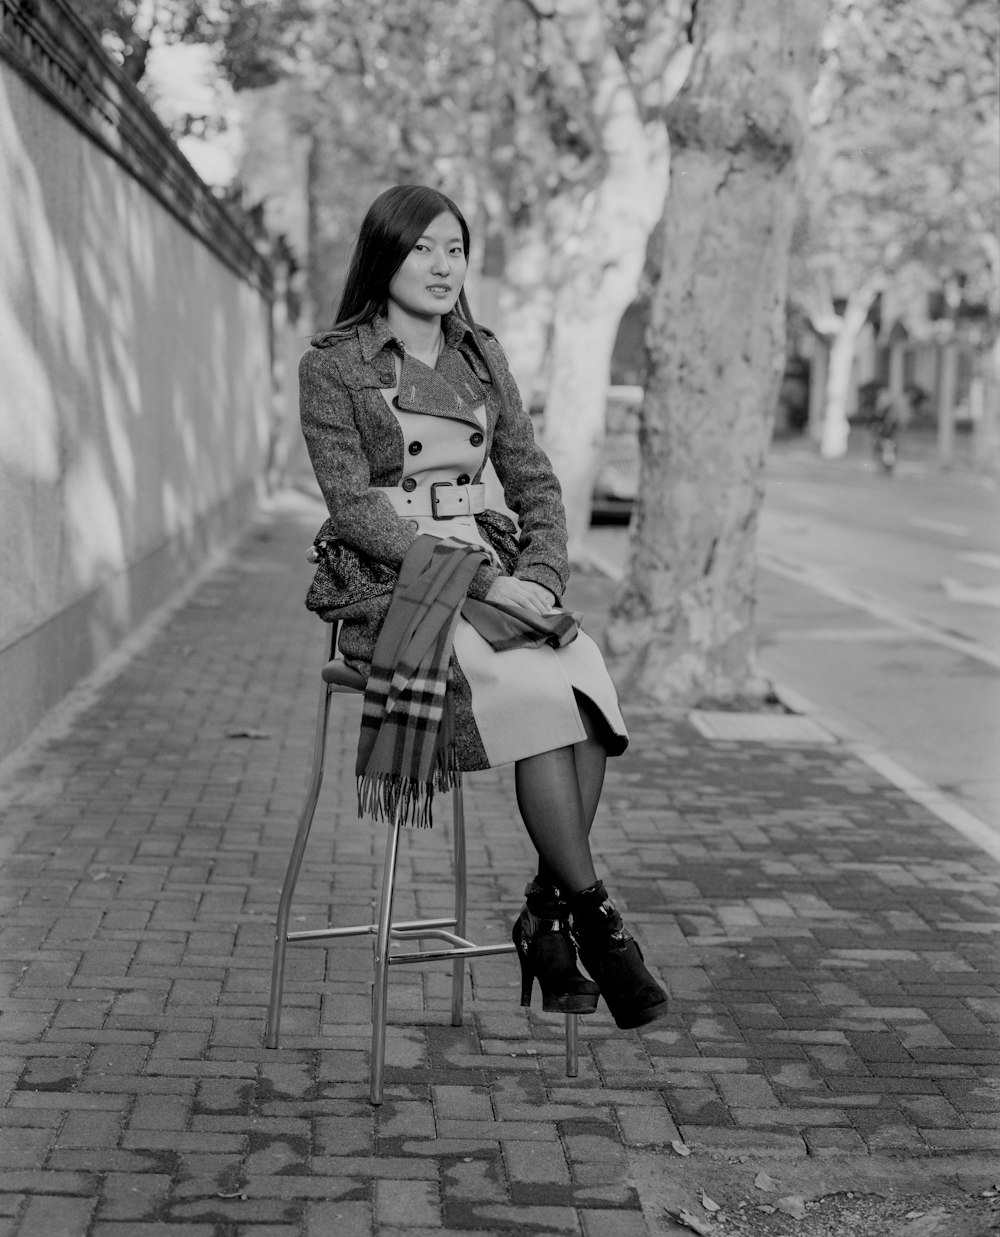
(380, 987)
(292, 872)
(461, 903)
(572, 1040)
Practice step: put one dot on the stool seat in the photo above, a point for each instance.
(340, 676)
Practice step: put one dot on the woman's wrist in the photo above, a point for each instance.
(483, 581)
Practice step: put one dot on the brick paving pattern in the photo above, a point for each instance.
(830, 948)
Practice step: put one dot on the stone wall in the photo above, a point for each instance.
(136, 376)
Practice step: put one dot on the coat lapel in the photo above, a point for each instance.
(452, 390)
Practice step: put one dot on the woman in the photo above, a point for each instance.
(403, 402)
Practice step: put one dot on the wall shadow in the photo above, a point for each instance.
(136, 402)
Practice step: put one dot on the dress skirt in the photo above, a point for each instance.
(523, 701)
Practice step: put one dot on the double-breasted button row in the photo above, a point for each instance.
(410, 484)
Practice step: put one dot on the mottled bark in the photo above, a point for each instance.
(598, 285)
(526, 299)
(576, 269)
(682, 628)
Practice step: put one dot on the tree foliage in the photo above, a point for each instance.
(904, 161)
(130, 28)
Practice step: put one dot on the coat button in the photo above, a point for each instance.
(409, 485)
(395, 403)
(476, 439)
(463, 479)
(412, 525)
(415, 448)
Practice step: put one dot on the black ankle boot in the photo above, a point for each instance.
(611, 955)
(546, 952)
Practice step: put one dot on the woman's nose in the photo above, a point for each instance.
(441, 264)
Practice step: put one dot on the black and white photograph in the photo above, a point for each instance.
(499, 618)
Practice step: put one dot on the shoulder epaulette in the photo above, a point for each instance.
(326, 339)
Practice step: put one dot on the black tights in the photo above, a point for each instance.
(557, 795)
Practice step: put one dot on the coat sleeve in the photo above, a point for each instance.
(362, 518)
(530, 487)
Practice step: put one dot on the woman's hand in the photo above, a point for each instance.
(510, 591)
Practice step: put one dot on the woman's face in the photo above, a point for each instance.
(432, 274)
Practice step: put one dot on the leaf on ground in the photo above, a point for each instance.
(680, 1147)
(914, 1215)
(792, 1205)
(248, 734)
(767, 1209)
(765, 1182)
(708, 1203)
(691, 1221)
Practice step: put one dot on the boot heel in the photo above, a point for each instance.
(527, 980)
(545, 952)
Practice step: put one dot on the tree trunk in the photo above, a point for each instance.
(599, 284)
(682, 628)
(819, 368)
(526, 300)
(836, 427)
(596, 226)
(986, 440)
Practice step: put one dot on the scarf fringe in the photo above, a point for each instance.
(391, 796)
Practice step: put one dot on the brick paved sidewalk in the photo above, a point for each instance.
(831, 949)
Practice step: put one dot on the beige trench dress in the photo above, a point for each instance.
(523, 700)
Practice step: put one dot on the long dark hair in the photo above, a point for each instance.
(394, 223)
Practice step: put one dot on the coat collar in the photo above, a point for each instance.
(453, 389)
(375, 335)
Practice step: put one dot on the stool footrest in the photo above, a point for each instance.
(456, 951)
(411, 927)
(412, 930)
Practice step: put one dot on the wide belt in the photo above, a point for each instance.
(442, 500)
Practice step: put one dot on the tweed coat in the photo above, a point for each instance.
(356, 447)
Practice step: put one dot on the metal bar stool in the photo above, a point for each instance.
(339, 677)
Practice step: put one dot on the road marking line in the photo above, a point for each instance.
(614, 571)
(981, 558)
(859, 635)
(820, 582)
(934, 800)
(972, 594)
(940, 526)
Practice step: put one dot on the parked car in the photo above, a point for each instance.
(617, 483)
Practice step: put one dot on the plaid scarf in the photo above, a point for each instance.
(406, 750)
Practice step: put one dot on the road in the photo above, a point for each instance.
(879, 605)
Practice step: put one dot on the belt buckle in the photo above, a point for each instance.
(434, 501)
